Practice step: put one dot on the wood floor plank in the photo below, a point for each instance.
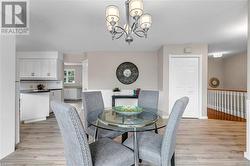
(199, 143)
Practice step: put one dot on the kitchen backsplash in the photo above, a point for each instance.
(26, 85)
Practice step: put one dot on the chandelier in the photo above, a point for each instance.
(139, 27)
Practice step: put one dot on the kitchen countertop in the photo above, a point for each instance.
(37, 91)
(72, 86)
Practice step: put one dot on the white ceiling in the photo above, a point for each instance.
(79, 25)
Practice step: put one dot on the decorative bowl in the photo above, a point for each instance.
(128, 110)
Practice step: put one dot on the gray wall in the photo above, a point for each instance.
(102, 69)
(231, 71)
(74, 57)
(215, 69)
(235, 72)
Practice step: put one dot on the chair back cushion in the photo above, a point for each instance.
(148, 99)
(169, 138)
(92, 104)
(76, 145)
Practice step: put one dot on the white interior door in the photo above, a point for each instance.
(184, 81)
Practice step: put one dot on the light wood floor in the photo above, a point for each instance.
(199, 143)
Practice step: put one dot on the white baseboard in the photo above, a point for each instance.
(203, 117)
(34, 120)
(247, 155)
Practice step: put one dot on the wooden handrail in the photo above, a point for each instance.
(230, 90)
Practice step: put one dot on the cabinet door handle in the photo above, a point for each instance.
(32, 74)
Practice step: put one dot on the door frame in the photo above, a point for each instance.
(85, 75)
(199, 56)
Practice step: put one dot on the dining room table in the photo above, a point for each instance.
(145, 121)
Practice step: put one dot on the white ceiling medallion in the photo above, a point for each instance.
(141, 22)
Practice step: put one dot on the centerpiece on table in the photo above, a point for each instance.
(128, 110)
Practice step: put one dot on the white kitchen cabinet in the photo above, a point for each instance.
(34, 106)
(48, 69)
(39, 69)
(29, 68)
(40, 66)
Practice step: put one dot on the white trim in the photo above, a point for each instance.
(34, 120)
(247, 153)
(40, 55)
(72, 64)
(203, 117)
(199, 56)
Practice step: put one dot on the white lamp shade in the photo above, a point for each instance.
(112, 13)
(145, 21)
(135, 8)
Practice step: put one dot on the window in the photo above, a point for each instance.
(69, 76)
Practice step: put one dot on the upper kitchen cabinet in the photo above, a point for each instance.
(40, 65)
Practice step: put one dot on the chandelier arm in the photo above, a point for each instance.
(120, 36)
(133, 27)
(124, 31)
(139, 31)
(118, 32)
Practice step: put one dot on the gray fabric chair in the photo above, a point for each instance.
(93, 106)
(157, 149)
(148, 99)
(78, 152)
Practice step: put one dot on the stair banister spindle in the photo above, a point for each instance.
(238, 104)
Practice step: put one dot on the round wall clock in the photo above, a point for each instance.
(127, 73)
(214, 82)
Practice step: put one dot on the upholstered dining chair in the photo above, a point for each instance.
(92, 106)
(104, 152)
(148, 99)
(158, 149)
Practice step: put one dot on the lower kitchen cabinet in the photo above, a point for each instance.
(55, 95)
(34, 106)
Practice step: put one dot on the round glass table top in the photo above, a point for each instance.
(148, 120)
